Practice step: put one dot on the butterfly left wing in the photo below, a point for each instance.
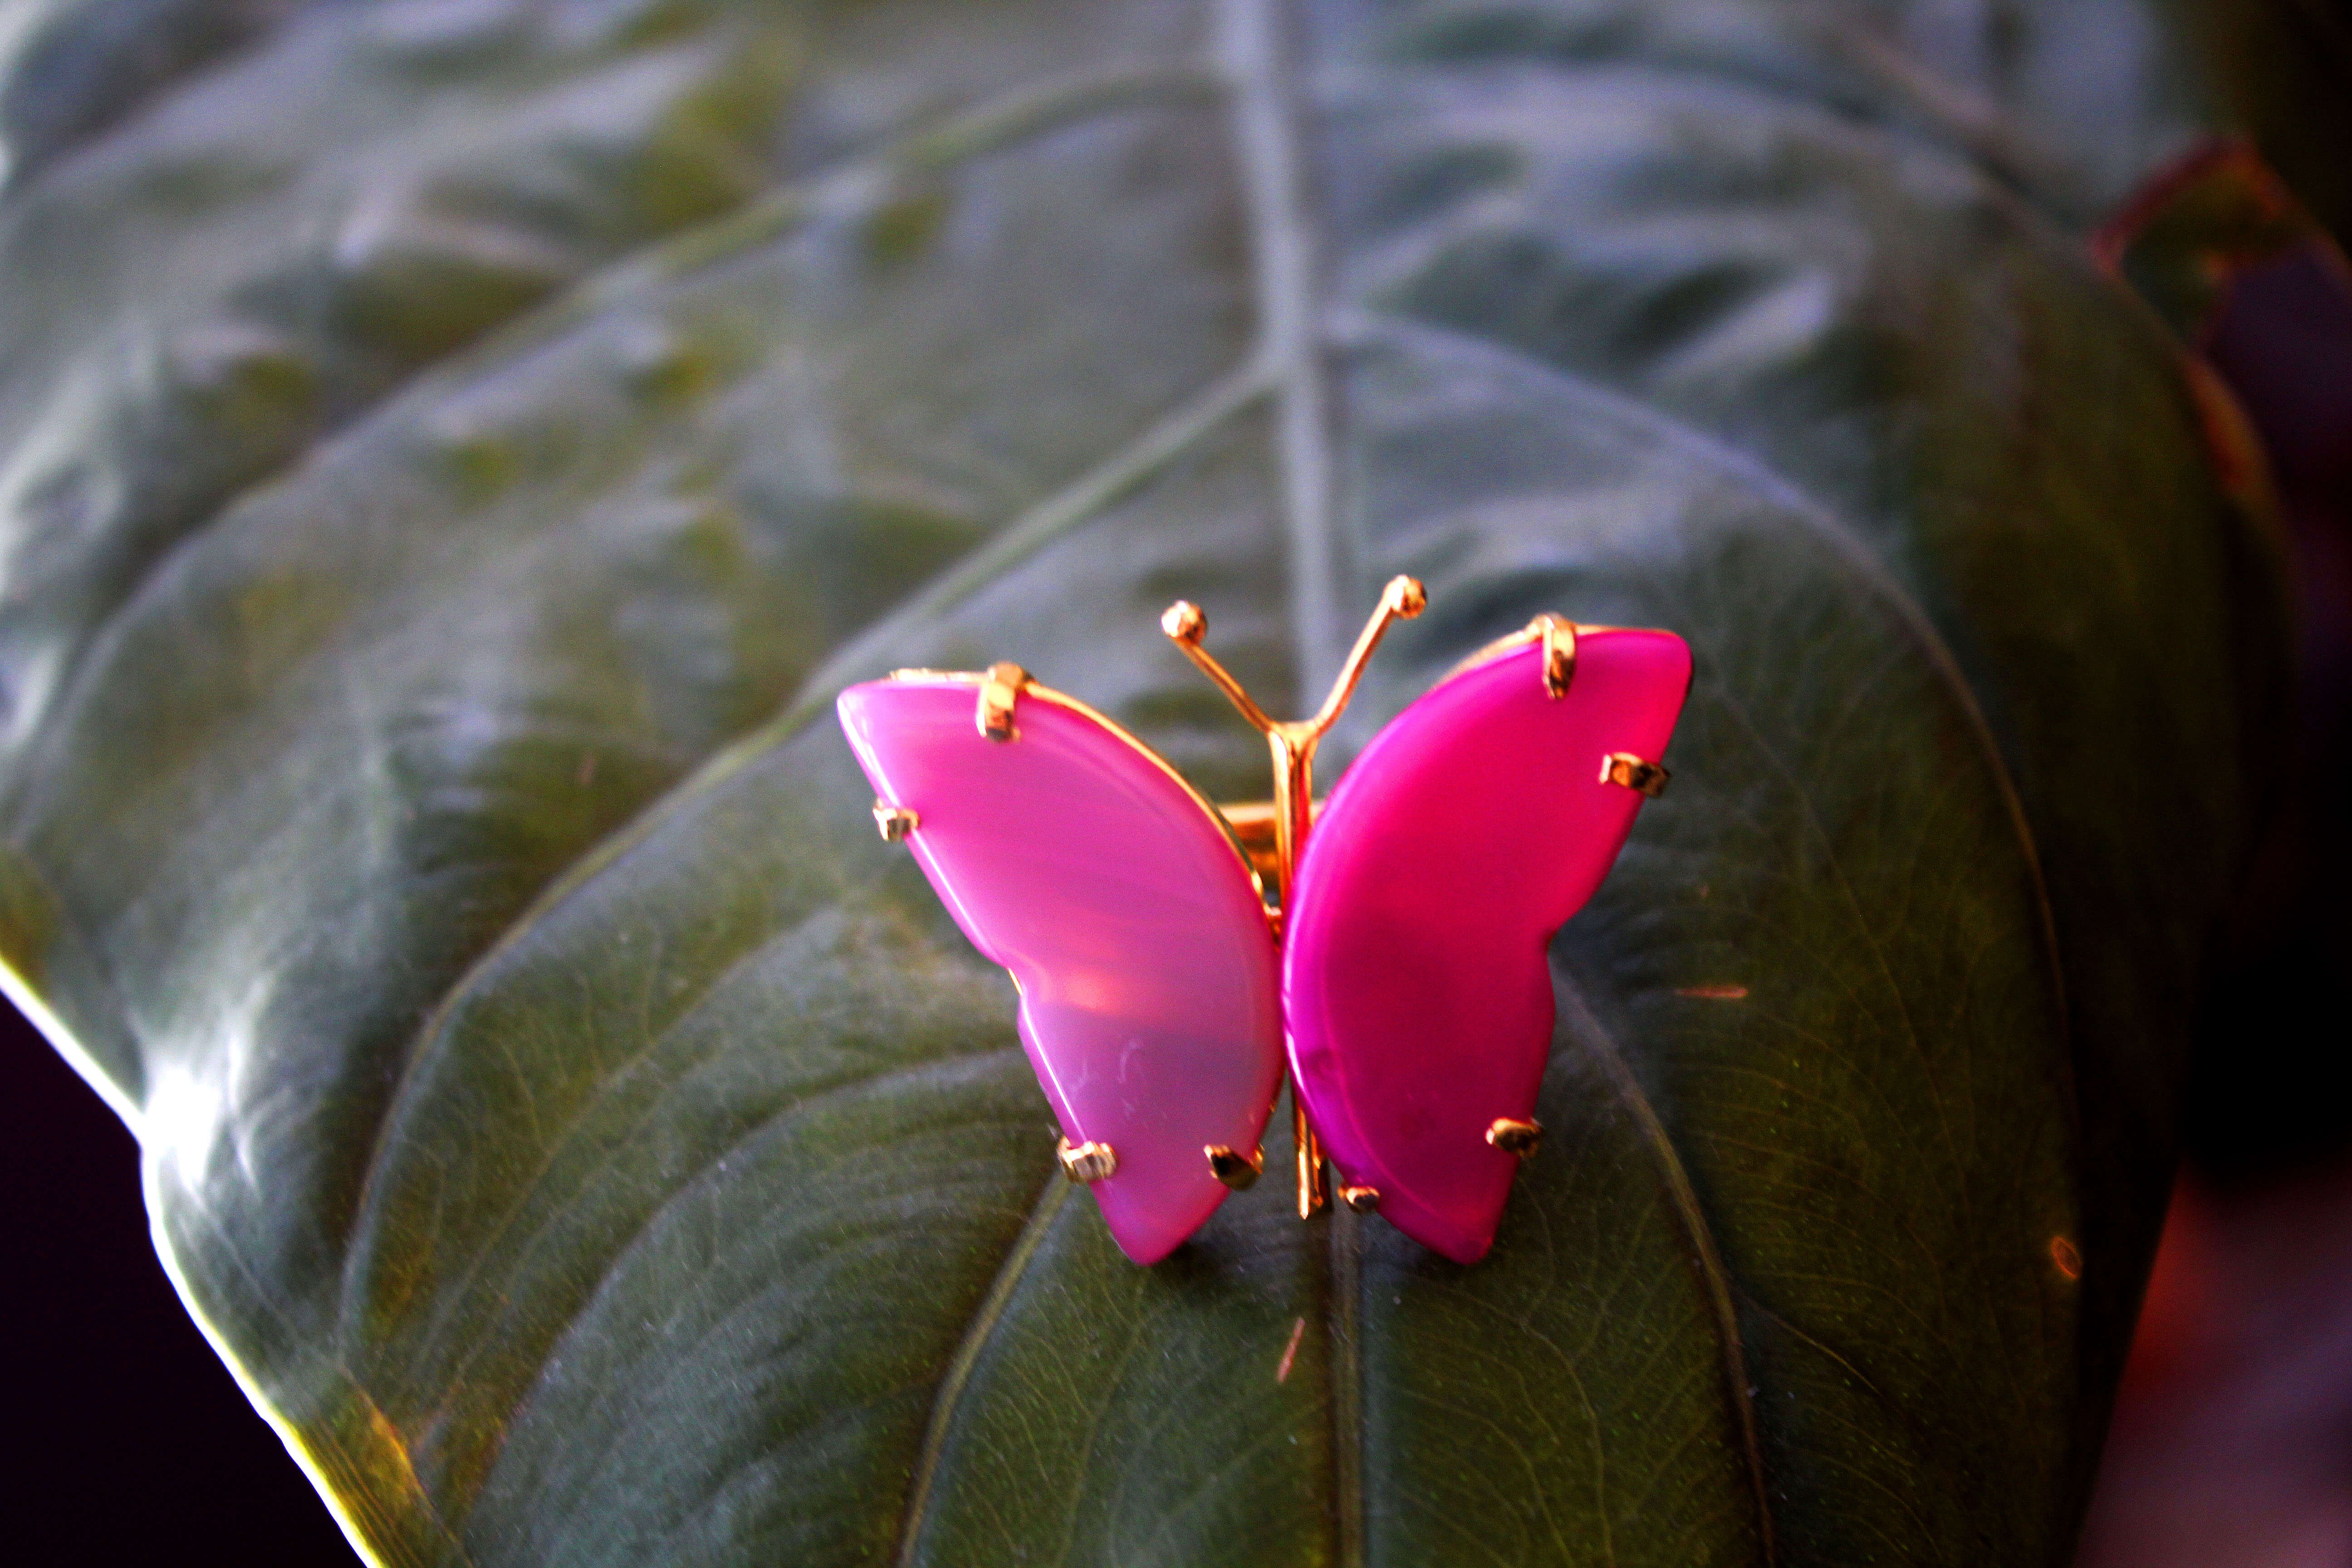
(1072, 854)
(1415, 983)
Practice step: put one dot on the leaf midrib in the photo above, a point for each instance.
(1291, 346)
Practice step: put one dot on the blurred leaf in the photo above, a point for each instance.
(455, 449)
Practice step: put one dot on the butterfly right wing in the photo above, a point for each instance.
(1416, 982)
(1075, 858)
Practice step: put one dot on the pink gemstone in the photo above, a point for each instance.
(1078, 860)
(1415, 983)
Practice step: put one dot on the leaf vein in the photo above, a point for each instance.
(966, 1358)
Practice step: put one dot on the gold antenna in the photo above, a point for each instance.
(1292, 745)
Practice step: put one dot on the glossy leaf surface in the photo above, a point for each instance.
(452, 453)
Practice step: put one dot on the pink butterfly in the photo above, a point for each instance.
(1403, 966)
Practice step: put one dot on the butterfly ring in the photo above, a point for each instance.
(1388, 945)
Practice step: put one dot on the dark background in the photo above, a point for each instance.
(128, 1442)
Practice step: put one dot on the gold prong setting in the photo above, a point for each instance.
(1089, 1163)
(1363, 1200)
(1516, 1138)
(894, 822)
(1238, 1171)
(1558, 653)
(1639, 775)
(1000, 689)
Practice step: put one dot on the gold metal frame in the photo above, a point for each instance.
(1292, 811)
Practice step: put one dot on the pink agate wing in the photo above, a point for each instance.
(1415, 983)
(1147, 976)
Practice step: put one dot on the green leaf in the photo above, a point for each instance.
(451, 453)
